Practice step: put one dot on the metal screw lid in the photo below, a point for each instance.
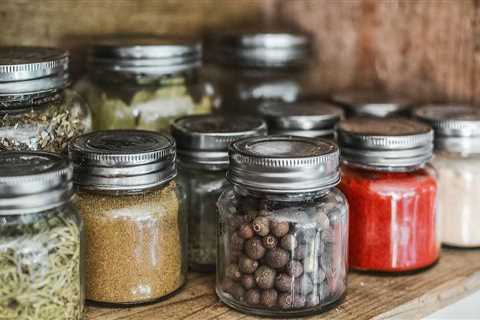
(123, 159)
(204, 139)
(32, 70)
(147, 54)
(284, 164)
(33, 181)
(389, 143)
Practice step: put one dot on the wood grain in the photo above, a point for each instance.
(380, 297)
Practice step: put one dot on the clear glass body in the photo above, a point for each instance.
(393, 218)
(135, 244)
(459, 187)
(282, 255)
(129, 101)
(203, 187)
(44, 123)
(41, 265)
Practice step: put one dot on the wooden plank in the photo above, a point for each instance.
(409, 296)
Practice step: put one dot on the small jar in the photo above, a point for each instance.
(135, 231)
(282, 237)
(40, 239)
(37, 111)
(392, 194)
(144, 82)
(312, 118)
(457, 160)
(202, 143)
(250, 68)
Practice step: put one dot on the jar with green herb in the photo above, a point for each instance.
(37, 111)
(145, 82)
(135, 231)
(202, 143)
(40, 239)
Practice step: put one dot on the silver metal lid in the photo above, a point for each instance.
(31, 70)
(284, 164)
(123, 160)
(33, 181)
(372, 103)
(147, 54)
(205, 139)
(385, 143)
(268, 49)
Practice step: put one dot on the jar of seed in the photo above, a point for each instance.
(37, 111)
(40, 239)
(135, 232)
(202, 143)
(282, 235)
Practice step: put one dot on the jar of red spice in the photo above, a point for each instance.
(392, 193)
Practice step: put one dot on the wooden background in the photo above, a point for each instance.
(428, 49)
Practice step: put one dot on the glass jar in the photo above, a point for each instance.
(135, 230)
(457, 160)
(145, 83)
(282, 238)
(38, 112)
(250, 68)
(202, 144)
(311, 118)
(392, 194)
(40, 239)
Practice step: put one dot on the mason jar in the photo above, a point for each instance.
(457, 160)
(392, 193)
(202, 144)
(282, 233)
(145, 82)
(40, 239)
(38, 112)
(310, 118)
(135, 230)
(250, 68)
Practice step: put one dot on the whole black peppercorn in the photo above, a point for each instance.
(294, 268)
(252, 297)
(269, 298)
(303, 285)
(284, 282)
(261, 226)
(269, 242)
(289, 242)
(236, 243)
(248, 281)
(265, 277)
(247, 265)
(232, 271)
(285, 300)
(245, 231)
(237, 292)
(254, 248)
(277, 258)
(279, 229)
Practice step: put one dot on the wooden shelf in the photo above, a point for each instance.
(456, 275)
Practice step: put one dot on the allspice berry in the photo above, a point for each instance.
(269, 242)
(245, 231)
(294, 268)
(247, 265)
(252, 297)
(265, 277)
(248, 281)
(279, 229)
(254, 248)
(303, 285)
(312, 300)
(269, 298)
(284, 282)
(237, 292)
(261, 226)
(227, 285)
(236, 243)
(285, 301)
(300, 252)
(233, 272)
(299, 301)
(277, 258)
(289, 242)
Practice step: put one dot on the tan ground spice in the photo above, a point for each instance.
(133, 245)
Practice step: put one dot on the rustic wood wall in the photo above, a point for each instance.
(428, 49)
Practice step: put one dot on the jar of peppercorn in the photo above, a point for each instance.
(392, 193)
(282, 234)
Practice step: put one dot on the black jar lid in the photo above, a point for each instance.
(123, 159)
(33, 181)
(385, 143)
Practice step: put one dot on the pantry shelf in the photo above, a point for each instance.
(456, 275)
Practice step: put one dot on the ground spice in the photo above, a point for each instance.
(393, 219)
(133, 247)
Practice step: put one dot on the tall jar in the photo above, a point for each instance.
(282, 237)
(311, 118)
(457, 160)
(392, 192)
(202, 144)
(135, 231)
(40, 239)
(145, 82)
(38, 112)
(251, 68)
